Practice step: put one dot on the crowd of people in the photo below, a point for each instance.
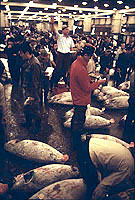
(30, 52)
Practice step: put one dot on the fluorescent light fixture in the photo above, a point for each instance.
(120, 2)
(54, 4)
(59, 0)
(95, 0)
(84, 3)
(76, 6)
(5, 0)
(127, 7)
(106, 5)
(96, 8)
(7, 8)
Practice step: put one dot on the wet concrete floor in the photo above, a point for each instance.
(52, 132)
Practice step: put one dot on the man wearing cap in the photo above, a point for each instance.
(65, 45)
(81, 88)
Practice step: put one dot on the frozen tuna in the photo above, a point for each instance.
(71, 189)
(62, 98)
(92, 122)
(124, 86)
(41, 177)
(90, 111)
(108, 92)
(35, 151)
(120, 102)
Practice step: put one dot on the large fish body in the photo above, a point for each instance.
(124, 86)
(120, 102)
(108, 92)
(90, 111)
(41, 177)
(92, 122)
(62, 98)
(34, 151)
(71, 189)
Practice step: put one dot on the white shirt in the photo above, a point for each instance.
(64, 43)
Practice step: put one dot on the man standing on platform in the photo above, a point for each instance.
(65, 45)
(81, 88)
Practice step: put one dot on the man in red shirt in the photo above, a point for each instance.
(81, 88)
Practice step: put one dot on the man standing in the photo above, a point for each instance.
(65, 45)
(81, 88)
(32, 88)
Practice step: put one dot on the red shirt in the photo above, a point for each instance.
(80, 84)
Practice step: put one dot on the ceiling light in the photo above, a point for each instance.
(96, 8)
(120, 2)
(45, 8)
(95, 0)
(74, 13)
(127, 7)
(114, 9)
(80, 11)
(106, 5)
(64, 10)
(76, 6)
(69, 13)
(70, 16)
(84, 3)
(5, 0)
(54, 4)
(59, 0)
(59, 11)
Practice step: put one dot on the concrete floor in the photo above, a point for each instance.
(52, 132)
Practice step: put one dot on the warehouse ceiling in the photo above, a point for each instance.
(43, 9)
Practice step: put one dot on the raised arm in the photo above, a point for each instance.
(52, 25)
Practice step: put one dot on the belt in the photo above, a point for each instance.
(64, 53)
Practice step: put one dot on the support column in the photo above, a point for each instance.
(3, 19)
(87, 24)
(70, 24)
(116, 22)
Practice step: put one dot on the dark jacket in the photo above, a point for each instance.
(31, 75)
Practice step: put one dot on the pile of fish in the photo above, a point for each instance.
(52, 181)
(92, 121)
(112, 98)
(62, 98)
(90, 111)
(124, 86)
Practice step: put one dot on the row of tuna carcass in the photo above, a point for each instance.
(110, 97)
(52, 181)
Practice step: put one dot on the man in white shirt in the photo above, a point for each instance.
(65, 45)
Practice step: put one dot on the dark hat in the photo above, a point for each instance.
(64, 26)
